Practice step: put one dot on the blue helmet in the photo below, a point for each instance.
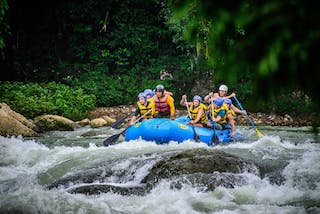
(218, 101)
(228, 101)
(197, 97)
(149, 92)
(142, 95)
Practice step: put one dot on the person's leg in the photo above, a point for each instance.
(231, 122)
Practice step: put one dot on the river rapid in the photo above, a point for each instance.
(288, 160)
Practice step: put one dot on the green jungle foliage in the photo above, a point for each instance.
(274, 42)
(111, 50)
(35, 99)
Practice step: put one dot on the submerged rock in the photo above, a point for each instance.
(198, 161)
(203, 168)
(93, 189)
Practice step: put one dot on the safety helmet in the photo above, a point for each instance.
(228, 101)
(223, 88)
(218, 101)
(159, 88)
(148, 92)
(197, 97)
(142, 95)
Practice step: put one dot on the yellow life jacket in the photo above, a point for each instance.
(194, 113)
(144, 109)
(224, 107)
(230, 111)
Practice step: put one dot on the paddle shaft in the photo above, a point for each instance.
(117, 123)
(134, 122)
(195, 135)
(214, 139)
(111, 140)
(249, 119)
(187, 105)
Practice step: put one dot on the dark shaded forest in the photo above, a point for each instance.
(108, 51)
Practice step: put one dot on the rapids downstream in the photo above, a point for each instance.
(65, 172)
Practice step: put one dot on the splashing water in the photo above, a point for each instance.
(288, 158)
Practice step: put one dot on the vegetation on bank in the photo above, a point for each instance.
(85, 94)
(71, 56)
(35, 99)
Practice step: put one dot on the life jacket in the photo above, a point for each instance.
(194, 113)
(224, 107)
(162, 106)
(144, 109)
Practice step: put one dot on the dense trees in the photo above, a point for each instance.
(113, 49)
(276, 43)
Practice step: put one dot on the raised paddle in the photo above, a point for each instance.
(254, 126)
(113, 139)
(214, 139)
(117, 123)
(195, 135)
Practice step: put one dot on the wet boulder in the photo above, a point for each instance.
(15, 124)
(83, 122)
(206, 161)
(98, 122)
(51, 122)
(203, 168)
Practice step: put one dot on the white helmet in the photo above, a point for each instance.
(223, 88)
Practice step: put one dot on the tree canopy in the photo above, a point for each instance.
(113, 49)
(276, 42)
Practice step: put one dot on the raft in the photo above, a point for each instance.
(163, 130)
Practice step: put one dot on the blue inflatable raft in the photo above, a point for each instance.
(162, 130)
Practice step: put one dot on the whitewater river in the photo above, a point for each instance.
(288, 158)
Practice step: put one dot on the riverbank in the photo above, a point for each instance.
(262, 119)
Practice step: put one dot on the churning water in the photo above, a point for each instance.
(288, 159)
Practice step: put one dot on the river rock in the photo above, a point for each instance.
(108, 119)
(51, 122)
(93, 189)
(198, 161)
(203, 168)
(98, 122)
(14, 124)
(83, 122)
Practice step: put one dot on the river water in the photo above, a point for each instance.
(289, 160)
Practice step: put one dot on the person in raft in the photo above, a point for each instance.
(232, 109)
(164, 103)
(144, 108)
(149, 93)
(217, 114)
(197, 111)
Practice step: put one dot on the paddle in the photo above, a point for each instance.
(214, 139)
(113, 139)
(254, 126)
(195, 135)
(117, 123)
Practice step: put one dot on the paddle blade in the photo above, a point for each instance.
(259, 133)
(111, 140)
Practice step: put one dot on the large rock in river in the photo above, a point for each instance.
(204, 168)
(51, 122)
(15, 124)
